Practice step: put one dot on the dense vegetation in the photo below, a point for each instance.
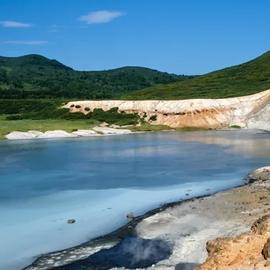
(34, 76)
(48, 109)
(245, 79)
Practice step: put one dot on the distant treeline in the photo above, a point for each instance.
(34, 76)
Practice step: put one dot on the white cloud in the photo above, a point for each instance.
(101, 16)
(26, 42)
(14, 24)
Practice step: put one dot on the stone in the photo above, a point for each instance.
(18, 135)
(266, 250)
(111, 131)
(130, 216)
(104, 124)
(85, 133)
(71, 221)
(56, 134)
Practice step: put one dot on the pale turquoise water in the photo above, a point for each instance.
(99, 180)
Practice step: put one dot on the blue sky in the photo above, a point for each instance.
(180, 36)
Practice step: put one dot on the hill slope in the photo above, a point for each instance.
(35, 76)
(248, 78)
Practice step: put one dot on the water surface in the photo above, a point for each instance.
(97, 181)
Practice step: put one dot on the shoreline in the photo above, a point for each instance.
(99, 131)
(80, 252)
(190, 223)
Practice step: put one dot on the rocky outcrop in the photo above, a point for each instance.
(261, 174)
(205, 113)
(250, 250)
(260, 119)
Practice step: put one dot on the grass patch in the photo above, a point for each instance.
(149, 127)
(192, 129)
(235, 126)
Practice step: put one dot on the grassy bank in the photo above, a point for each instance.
(43, 125)
(46, 114)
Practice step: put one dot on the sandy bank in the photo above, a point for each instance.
(187, 226)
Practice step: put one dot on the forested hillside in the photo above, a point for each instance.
(34, 76)
(245, 79)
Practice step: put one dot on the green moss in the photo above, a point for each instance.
(235, 126)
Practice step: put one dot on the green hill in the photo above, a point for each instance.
(35, 76)
(244, 79)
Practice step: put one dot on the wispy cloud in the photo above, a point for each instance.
(101, 16)
(54, 28)
(26, 42)
(15, 24)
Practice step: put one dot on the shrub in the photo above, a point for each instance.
(41, 110)
(153, 117)
(235, 126)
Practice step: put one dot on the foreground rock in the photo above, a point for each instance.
(97, 131)
(248, 112)
(250, 250)
(190, 225)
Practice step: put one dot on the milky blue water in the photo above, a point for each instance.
(97, 181)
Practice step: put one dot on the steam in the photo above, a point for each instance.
(131, 252)
(143, 251)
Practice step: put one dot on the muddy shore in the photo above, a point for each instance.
(186, 226)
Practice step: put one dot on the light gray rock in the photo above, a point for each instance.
(260, 120)
(56, 134)
(261, 174)
(85, 133)
(35, 132)
(19, 135)
(111, 131)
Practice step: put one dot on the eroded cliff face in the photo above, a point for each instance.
(249, 111)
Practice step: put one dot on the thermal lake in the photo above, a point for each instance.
(99, 180)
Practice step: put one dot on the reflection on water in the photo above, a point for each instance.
(254, 143)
